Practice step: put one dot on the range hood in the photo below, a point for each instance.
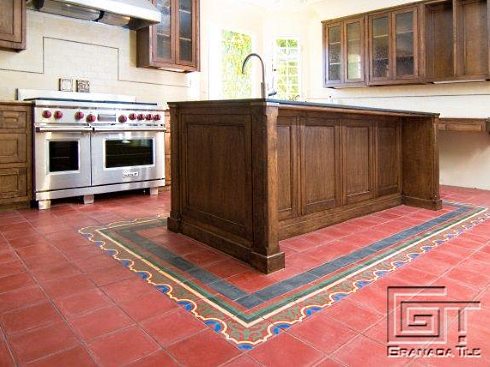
(133, 14)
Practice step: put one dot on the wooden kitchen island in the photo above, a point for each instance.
(248, 173)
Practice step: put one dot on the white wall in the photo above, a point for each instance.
(106, 55)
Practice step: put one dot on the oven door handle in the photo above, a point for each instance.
(128, 129)
(63, 129)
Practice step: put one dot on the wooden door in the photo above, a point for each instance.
(333, 54)
(320, 164)
(357, 161)
(405, 44)
(354, 55)
(380, 48)
(187, 34)
(471, 48)
(287, 167)
(163, 43)
(12, 24)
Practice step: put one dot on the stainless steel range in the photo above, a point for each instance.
(87, 147)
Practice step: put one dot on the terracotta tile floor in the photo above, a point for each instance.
(64, 303)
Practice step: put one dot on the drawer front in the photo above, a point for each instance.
(13, 148)
(13, 118)
(13, 183)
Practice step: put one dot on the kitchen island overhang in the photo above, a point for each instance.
(248, 173)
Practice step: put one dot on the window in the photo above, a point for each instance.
(287, 68)
(235, 47)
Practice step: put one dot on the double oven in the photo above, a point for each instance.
(84, 148)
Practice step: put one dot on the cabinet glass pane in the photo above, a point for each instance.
(164, 38)
(354, 64)
(405, 55)
(334, 53)
(185, 30)
(381, 48)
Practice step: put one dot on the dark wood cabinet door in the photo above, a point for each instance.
(173, 44)
(405, 43)
(357, 161)
(471, 38)
(12, 24)
(354, 55)
(163, 40)
(320, 169)
(380, 47)
(187, 34)
(333, 34)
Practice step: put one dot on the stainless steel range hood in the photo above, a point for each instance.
(133, 14)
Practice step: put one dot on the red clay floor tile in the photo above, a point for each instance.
(122, 348)
(81, 303)
(159, 358)
(206, 349)
(77, 356)
(29, 317)
(286, 351)
(148, 305)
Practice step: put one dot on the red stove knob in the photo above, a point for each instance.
(149, 117)
(141, 117)
(123, 119)
(157, 117)
(79, 115)
(91, 118)
(58, 115)
(46, 114)
(132, 116)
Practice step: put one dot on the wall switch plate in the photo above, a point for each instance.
(66, 85)
(83, 86)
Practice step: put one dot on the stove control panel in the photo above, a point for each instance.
(98, 116)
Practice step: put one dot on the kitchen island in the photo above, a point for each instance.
(248, 173)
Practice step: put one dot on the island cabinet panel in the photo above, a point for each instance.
(388, 156)
(320, 164)
(357, 161)
(287, 167)
(248, 173)
(216, 161)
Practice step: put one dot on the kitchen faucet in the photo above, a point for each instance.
(263, 87)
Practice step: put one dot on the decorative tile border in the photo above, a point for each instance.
(249, 326)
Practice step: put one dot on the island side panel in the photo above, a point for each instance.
(420, 159)
(174, 221)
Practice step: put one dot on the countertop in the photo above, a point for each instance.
(305, 104)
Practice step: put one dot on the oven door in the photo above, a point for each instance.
(62, 158)
(127, 156)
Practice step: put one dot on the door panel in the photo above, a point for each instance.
(388, 155)
(13, 182)
(287, 167)
(357, 162)
(319, 165)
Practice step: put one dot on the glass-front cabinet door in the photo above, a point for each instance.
(405, 39)
(380, 47)
(186, 25)
(354, 50)
(333, 54)
(164, 50)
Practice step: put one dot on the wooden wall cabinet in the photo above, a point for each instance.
(458, 33)
(12, 25)
(174, 43)
(345, 52)
(15, 155)
(394, 47)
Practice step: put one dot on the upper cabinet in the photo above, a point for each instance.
(174, 43)
(344, 52)
(394, 47)
(432, 41)
(12, 25)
